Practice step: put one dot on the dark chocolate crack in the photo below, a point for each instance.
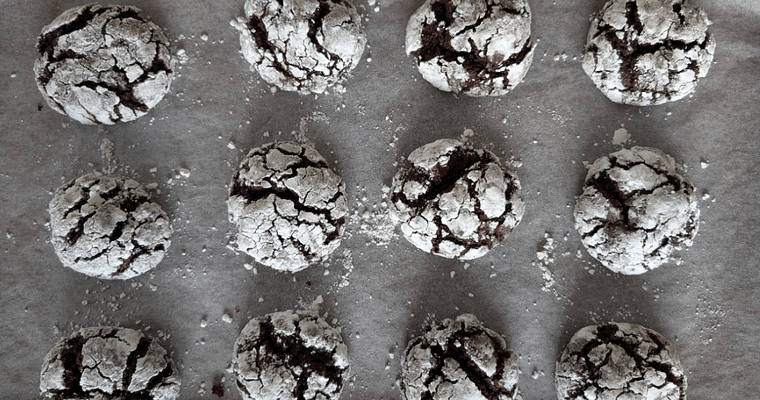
(483, 71)
(455, 349)
(258, 26)
(76, 255)
(631, 50)
(442, 179)
(142, 348)
(253, 193)
(48, 46)
(631, 343)
(128, 203)
(274, 348)
(261, 37)
(137, 252)
(621, 201)
(70, 354)
(315, 26)
(48, 42)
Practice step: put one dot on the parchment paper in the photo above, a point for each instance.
(378, 287)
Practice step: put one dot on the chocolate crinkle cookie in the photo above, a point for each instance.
(459, 359)
(475, 47)
(109, 363)
(301, 45)
(288, 205)
(619, 361)
(102, 65)
(290, 355)
(648, 52)
(107, 227)
(455, 201)
(635, 210)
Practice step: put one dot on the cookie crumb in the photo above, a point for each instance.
(621, 137)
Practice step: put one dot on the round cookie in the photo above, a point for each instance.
(455, 201)
(648, 52)
(109, 363)
(475, 47)
(290, 355)
(288, 205)
(635, 210)
(107, 227)
(102, 65)
(459, 359)
(619, 361)
(301, 45)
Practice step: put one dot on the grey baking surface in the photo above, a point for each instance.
(381, 294)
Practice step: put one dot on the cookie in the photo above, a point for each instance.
(635, 210)
(455, 201)
(619, 361)
(648, 52)
(301, 45)
(459, 359)
(475, 47)
(109, 363)
(290, 355)
(102, 65)
(107, 227)
(288, 205)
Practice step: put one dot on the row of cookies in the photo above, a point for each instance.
(102, 65)
(293, 355)
(451, 200)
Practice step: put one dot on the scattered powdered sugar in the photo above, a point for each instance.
(709, 314)
(546, 257)
(348, 266)
(109, 157)
(303, 125)
(373, 221)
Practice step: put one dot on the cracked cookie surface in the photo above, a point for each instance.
(301, 45)
(459, 359)
(102, 65)
(107, 227)
(455, 201)
(619, 361)
(648, 52)
(109, 363)
(635, 210)
(475, 47)
(288, 205)
(290, 355)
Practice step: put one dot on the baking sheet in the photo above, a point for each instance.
(377, 286)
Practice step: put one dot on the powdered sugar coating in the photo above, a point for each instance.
(459, 359)
(647, 52)
(479, 48)
(290, 355)
(109, 363)
(455, 201)
(619, 361)
(102, 65)
(107, 227)
(635, 210)
(301, 45)
(288, 205)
